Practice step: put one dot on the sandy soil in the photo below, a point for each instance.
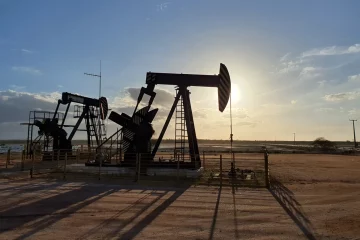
(312, 197)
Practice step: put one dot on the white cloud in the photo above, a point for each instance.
(354, 78)
(353, 112)
(293, 101)
(162, 6)
(16, 87)
(17, 105)
(321, 83)
(163, 97)
(29, 70)
(285, 57)
(342, 96)
(326, 110)
(310, 72)
(332, 50)
(60, 86)
(354, 49)
(290, 66)
(26, 51)
(48, 97)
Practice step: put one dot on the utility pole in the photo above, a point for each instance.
(294, 137)
(353, 121)
(99, 118)
(232, 171)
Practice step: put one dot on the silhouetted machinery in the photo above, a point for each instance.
(51, 124)
(137, 130)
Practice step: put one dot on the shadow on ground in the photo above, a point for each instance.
(39, 215)
(292, 207)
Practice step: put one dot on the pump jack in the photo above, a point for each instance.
(51, 128)
(137, 129)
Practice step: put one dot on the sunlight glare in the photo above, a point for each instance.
(235, 93)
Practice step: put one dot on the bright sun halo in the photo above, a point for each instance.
(235, 93)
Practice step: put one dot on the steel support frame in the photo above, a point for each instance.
(189, 120)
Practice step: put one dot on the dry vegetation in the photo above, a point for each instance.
(312, 197)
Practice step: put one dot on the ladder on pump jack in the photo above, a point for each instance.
(180, 131)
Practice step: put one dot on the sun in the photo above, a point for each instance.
(235, 93)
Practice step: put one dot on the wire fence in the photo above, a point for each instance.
(240, 169)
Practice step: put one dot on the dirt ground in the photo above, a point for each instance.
(312, 197)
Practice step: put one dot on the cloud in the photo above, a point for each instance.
(26, 51)
(321, 83)
(162, 6)
(285, 57)
(324, 110)
(60, 86)
(353, 112)
(354, 78)
(29, 70)
(246, 123)
(163, 97)
(17, 105)
(354, 49)
(290, 66)
(332, 50)
(293, 101)
(16, 87)
(200, 113)
(237, 113)
(310, 72)
(126, 102)
(342, 96)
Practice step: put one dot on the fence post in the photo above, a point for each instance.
(100, 162)
(8, 158)
(58, 158)
(178, 167)
(221, 170)
(136, 166)
(233, 157)
(266, 158)
(77, 155)
(22, 160)
(32, 164)
(120, 157)
(204, 160)
(138, 170)
(66, 156)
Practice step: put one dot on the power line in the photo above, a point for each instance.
(353, 121)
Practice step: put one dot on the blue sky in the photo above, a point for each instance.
(295, 65)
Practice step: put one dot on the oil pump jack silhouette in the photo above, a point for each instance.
(51, 124)
(137, 130)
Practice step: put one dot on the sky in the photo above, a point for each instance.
(294, 65)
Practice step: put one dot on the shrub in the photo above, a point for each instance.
(323, 144)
